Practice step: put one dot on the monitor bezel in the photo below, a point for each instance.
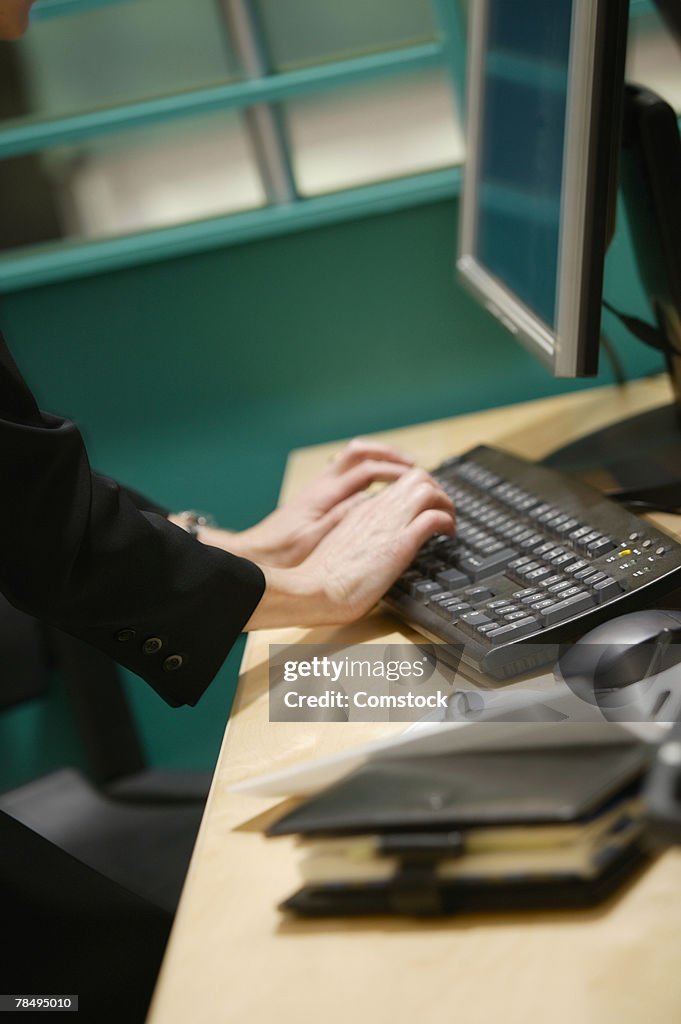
(595, 83)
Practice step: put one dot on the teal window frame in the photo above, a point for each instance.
(64, 259)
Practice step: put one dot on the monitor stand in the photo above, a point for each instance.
(636, 461)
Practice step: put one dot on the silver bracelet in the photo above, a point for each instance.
(193, 521)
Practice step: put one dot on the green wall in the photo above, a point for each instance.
(192, 379)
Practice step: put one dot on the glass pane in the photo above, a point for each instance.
(124, 52)
(524, 106)
(143, 179)
(653, 57)
(386, 129)
(303, 32)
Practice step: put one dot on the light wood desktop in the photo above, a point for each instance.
(234, 957)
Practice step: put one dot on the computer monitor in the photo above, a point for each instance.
(545, 145)
(545, 86)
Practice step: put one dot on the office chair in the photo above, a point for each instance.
(132, 824)
(69, 930)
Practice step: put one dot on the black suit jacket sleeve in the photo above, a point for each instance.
(103, 564)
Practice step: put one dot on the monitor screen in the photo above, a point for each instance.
(544, 97)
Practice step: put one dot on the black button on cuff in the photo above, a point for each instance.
(173, 662)
(152, 645)
(124, 635)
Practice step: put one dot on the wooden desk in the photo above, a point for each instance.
(233, 957)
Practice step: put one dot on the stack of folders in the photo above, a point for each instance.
(492, 831)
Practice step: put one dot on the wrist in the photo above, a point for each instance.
(227, 540)
(292, 597)
(259, 545)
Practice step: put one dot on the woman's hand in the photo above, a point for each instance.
(289, 534)
(356, 562)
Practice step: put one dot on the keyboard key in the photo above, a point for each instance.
(490, 547)
(601, 546)
(498, 521)
(558, 587)
(562, 560)
(595, 577)
(541, 510)
(408, 578)
(487, 627)
(517, 563)
(583, 542)
(545, 602)
(607, 589)
(547, 517)
(562, 610)
(513, 630)
(435, 542)
(530, 542)
(429, 567)
(478, 567)
(499, 602)
(575, 567)
(555, 522)
(511, 532)
(565, 527)
(536, 574)
(448, 549)
(478, 595)
(450, 610)
(583, 573)
(475, 619)
(422, 591)
(549, 581)
(545, 550)
(467, 533)
(453, 578)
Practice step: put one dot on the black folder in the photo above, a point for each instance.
(461, 790)
(426, 811)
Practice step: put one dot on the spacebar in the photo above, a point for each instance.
(480, 566)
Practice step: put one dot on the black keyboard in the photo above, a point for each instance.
(538, 559)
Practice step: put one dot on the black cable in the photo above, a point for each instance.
(645, 332)
(616, 364)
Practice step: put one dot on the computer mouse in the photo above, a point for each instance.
(616, 665)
